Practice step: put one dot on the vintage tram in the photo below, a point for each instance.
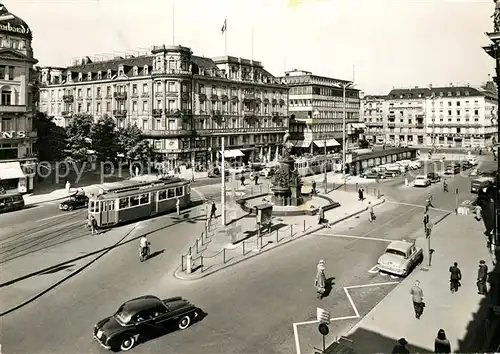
(126, 201)
(306, 166)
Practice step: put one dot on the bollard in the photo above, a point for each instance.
(201, 263)
(189, 264)
(378, 193)
(356, 187)
(291, 229)
(223, 256)
(277, 236)
(190, 250)
(202, 237)
(304, 225)
(182, 263)
(243, 246)
(197, 250)
(345, 186)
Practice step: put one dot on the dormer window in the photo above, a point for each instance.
(120, 70)
(146, 70)
(89, 76)
(109, 74)
(466, 93)
(99, 75)
(80, 76)
(136, 71)
(449, 94)
(68, 77)
(458, 93)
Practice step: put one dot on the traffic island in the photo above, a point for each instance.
(214, 251)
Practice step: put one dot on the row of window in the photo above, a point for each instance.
(130, 202)
(322, 91)
(324, 103)
(7, 72)
(15, 124)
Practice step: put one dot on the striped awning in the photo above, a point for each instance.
(329, 143)
(301, 143)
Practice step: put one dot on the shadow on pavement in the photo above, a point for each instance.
(156, 253)
(56, 269)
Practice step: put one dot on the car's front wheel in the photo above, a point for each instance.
(70, 207)
(184, 322)
(127, 343)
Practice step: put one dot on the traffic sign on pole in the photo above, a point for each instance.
(322, 316)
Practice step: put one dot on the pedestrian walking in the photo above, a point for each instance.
(213, 210)
(242, 180)
(418, 299)
(67, 186)
(371, 213)
(442, 344)
(256, 179)
(429, 201)
(321, 216)
(482, 275)
(361, 194)
(93, 225)
(313, 191)
(320, 281)
(426, 221)
(477, 212)
(178, 206)
(400, 347)
(455, 277)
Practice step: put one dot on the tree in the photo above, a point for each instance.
(104, 139)
(78, 134)
(51, 140)
(132, 146)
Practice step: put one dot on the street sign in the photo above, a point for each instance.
(322, 316)
(323, 329)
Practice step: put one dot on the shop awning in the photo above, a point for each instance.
(301, 143)
(233, 153)
(355, 125)
(11, 170)
(362, 126)
(329, 143)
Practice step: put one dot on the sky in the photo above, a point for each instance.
(380, 44)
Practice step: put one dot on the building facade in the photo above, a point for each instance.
(183, 103)
(316, 109)
(436, 116)
(17, 104)
(374, 113)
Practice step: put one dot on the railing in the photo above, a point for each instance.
(120, 95)
(157, 112)
(119, 113)
(166, 133)
(68, 98)
(67, 113)
(14, 108)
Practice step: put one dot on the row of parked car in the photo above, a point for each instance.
(453, 168)
(392, 169)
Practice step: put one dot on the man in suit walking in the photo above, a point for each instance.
(482, 275)
(418, 299)
(455, 277)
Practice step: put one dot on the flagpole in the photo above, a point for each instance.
(173, 22)
(225, 36)
(251, 41)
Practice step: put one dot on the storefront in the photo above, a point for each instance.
(12, 176)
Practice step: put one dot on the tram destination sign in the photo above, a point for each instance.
(12, 135)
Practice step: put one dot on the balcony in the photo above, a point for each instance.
(391, 125)
(157, 112)
(216, 113)
(186, 113)
(166, 133)
(79, 98)
(68, 98)
(202, 96)
(134, 95)
(145, 95)
(391, 116)
(232, 131)
(157, 73)
(120, 96)
(98, 97)
(172, 113)
(67, 114)
(14, 109)
(248, 113)
(419, 125)
(419, 116)
(214, 97)
(120, 113)
(249, 97)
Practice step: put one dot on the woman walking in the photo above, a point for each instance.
(320, 281)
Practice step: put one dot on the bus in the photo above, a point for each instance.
(126, 201)
(480, 183)
(11, 201)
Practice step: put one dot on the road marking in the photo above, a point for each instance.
(388, 222)
(420, 206)
(53, 217)
(355, 237)
(357, 315)
(374, 270)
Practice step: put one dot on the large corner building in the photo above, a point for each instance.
(17, 103)
(183, 103)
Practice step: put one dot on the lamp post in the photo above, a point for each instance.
(344, 86)
(433, 101)
(223, 180)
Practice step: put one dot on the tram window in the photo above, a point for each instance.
(187, 189)
(171, 193)
(144, 199)
(134, 201)
(104, 206)
(178, 191)
(92, 207)
(162, 195)
(124, 203)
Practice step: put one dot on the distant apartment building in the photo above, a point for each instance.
(373, 110)
(449, 116)
(17, 104)
(316, 109)
(183, 103)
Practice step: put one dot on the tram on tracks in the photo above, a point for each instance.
(126, 201)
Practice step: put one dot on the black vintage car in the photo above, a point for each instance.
(137, 318)
(434, 177)
(74, 202)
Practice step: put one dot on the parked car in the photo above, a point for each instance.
(267, 172)
(400, 257)
(372, 174)
(136, 318)
(466, 165)
(452, 169)
(422, 181)
(473, 161)
(395, 167)
(216, 172)
(415, 165)
(434, 177)
(390, 174)
(75, 202)
(475, 172)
